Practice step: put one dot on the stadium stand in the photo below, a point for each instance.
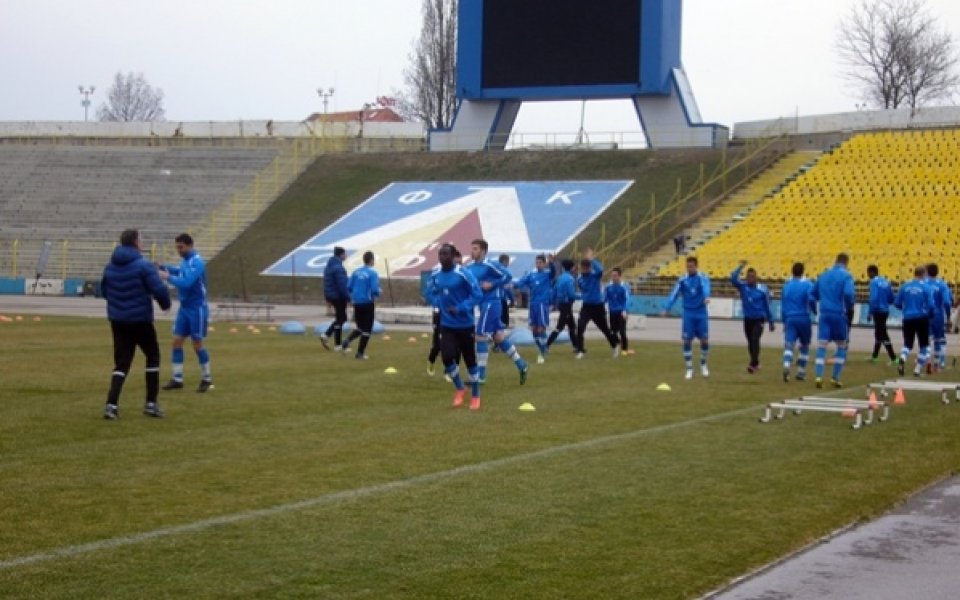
(740, 203)
(890, 198)
(80, 197)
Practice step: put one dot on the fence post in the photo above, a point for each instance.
(63, 260)
(15, 250)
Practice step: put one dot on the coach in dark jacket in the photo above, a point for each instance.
(336, 293)
(130, 285)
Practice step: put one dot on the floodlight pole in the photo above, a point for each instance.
(85, 103)
(325, 95)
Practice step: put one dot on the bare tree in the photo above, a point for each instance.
(430, 94)
(894, 52)
(131, 98)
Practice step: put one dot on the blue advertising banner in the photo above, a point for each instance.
(405, 223)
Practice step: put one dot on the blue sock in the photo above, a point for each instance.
(820, 361)
(177, 361)
(688, 354)
(787, 358)
(454, 374)
(704, 351)
(838, 361)
(474, 384)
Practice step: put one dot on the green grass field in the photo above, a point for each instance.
(307, 475)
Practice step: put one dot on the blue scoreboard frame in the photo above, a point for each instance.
(659, 46)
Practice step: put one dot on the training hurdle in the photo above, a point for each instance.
(943, 387)
(871, 406)
(856, 412)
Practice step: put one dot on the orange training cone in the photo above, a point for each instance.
(872, 399)
(849, 412)
(899, 398)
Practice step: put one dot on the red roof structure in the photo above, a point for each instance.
(376, 114)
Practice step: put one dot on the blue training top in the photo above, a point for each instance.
(458, 289)
(915, 299)
(881, 295)
(190, 279)
(539, 283)
(796, 300)
(834, 291)
(364, 285)
(489, 271)
(589, 283)
(695, 290)
(617, 296)
(754, 298)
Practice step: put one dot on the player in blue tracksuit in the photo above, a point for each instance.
(942, 305)
(364, 286)
(915, 299)
(491, 277)
(881, 297)
(336, 292)
(834, 294)
(796, 305)
(190, 279)
(592, 307)
(695, 290)
(563, 296)
(617, 296)
(454, 291)
(540, 284)
(435, 319)
(755, 299)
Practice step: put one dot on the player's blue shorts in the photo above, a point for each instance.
(539, 315)
(832, 327)
(938, 328)
(191, 323)
(489, 323)
(696, 325)
(797, 328)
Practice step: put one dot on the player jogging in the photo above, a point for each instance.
(834, 294)
(364, 286)
(881, 297)
(915, 299)
(563, 296)
(491, 277)
(454, 291)
(540, 283)
(796, 305)
(942, 305)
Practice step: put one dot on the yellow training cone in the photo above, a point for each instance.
(386, 337)
(663, 387)
(411, 339)
(390, 371)
(527, 407)
(424, 335)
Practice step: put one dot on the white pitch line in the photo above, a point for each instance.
(249, 515)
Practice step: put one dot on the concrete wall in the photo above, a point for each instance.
(252, 128)
(862, 120)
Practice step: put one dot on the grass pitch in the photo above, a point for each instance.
(307, 475)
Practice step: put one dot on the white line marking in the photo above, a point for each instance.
(128, 540)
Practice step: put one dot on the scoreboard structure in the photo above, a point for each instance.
(511, 51)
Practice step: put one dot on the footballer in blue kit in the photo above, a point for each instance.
(453, 290)
(694, 288)
(491, 276)
(190, 279)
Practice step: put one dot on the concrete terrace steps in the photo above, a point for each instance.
(81, 197)
(734, 208)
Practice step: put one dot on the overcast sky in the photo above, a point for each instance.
(260, 59)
